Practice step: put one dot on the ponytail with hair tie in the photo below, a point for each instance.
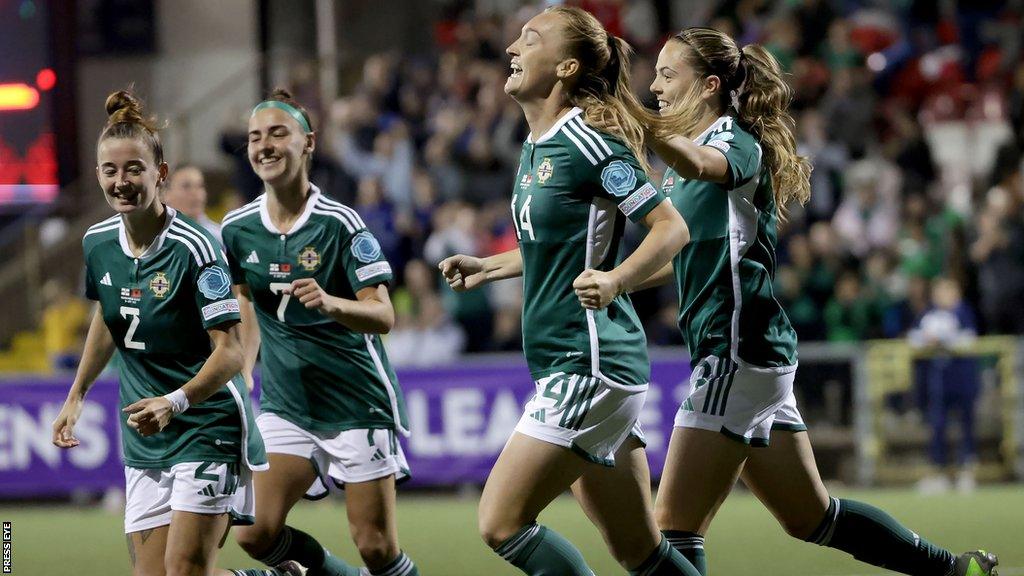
(738, 80)
(611, 71)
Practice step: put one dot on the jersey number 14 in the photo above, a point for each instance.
(524, 225)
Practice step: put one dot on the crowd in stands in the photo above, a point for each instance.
(425, 147)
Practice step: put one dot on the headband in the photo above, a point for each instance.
(291, 110)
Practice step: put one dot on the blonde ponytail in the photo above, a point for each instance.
(603, 89)
(764, 111)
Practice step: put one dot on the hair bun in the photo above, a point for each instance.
(281, 94)
(123, 106)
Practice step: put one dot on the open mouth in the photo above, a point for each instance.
(269, 160)
(128, 195)
(517, 70)
(663, 104)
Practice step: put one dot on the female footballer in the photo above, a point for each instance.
(331, 406)
(726, 135)
(582, 166)
(165, 303)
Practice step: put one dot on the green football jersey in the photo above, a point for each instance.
(724, 275)
(316, 373)
(158, 308)
(570, 187)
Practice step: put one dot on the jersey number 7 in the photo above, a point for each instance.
(278, 288)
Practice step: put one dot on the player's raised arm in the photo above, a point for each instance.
(464, 272)
(150, 415)
(690, 160)
(99, 347)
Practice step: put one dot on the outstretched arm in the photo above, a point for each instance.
(691, 160)
(467, 272)
(99, 347)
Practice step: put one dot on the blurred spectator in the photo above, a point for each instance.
(847, 315)
(65, 322)
(185, 191)
(949, 383)
(868, 217)
(423, 333)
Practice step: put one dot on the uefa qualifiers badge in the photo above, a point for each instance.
(309, 258)
(545, 170)
(214, 283)
(159, 285)
(618, 178)
(365, 247)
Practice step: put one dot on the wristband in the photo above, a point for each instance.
(178, 400)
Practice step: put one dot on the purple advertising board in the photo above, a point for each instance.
(460, 417)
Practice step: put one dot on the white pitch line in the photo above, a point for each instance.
(1004, 571)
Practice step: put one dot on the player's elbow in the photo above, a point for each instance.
(232, 354)
(383, 322)
(677, 233)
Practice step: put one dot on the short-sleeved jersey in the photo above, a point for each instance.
(316, 373)
(158, 307)
(724, 275)
(571, 187)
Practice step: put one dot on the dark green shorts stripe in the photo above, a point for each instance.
(786, 427)
(571, 405)
(728, 387)
(586, 399)
(720, 382)
(710, 387)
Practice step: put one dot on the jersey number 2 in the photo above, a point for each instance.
(522, 220)
(127, 311)
(278, 288)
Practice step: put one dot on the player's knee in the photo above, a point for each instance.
(495, 530)
(184, 566)
(799, 526)
(375, 547)
(629, 552)
(256, 540)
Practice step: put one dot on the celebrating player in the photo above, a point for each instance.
(331, 406)
(582, 164)
(727, 137)
(164, 295)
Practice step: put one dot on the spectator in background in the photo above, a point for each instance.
(948, 382)
(847, 315)
(998, 253)
(185, 191)
(424, 335)
(65, 322)
(868, 217)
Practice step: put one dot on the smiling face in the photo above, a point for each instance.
(278, 146)
(128, 174)
(536, 58)
(674, 77)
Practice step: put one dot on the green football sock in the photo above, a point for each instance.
(872, 536)
(540, 551)
(665, 561)
(294, 544)
(691, 546)
(401, 566)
